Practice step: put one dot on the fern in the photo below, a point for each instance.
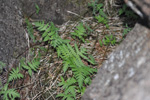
(126, 30)
(82, 53)
(81, 91)
(99, 13)
(2, 65)
(65, 96)
(81, 73)
(79, 32)
(102, 20)
(30, 29)
(50, 33)
(31, 66)
(127, 12)
(68, 83)
(37, 8)
(97, 8)
(71, 59)
(69, 88)
(49, 29)
(9, 94)
(108, 40)
(14, 74)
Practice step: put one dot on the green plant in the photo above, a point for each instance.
(71, 59)
(37, 8)
(108, 40)
(127, 12)
(50, 33)
(69, 87)
(14, 74)
(79, 32)
(31, 66)
(97, 8)
(30, 29)
(98, 12)
(2, 65)
(102, 20)
(9, 94)
(126, 30)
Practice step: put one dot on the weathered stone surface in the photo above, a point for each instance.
(142, 8)
(55, 10)
(125, 75)
(12, 35)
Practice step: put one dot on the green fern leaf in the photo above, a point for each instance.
(37, 8)
(46, 38)
(2, 65)
(68, 83)
(39, 23)
(44, 27)
(30, 29)
(87, 81)
(9, 93)
(46, 32)
(79, 32)
(71, 90)
(66, 66)
(65, 96)
(79, 75)
(32, 66)
(14, 74)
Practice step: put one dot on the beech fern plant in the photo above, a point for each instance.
(72, 60)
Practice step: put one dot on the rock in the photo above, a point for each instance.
(58, 11)
(125, 75)
(142, 8)
(12, 34)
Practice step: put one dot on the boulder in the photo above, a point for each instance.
(142, 8)
(125, 75)
(58, 11)
(12, 33)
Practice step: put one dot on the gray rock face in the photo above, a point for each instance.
(125, 75)
(57, 11)
(12, 35)
(142, 8)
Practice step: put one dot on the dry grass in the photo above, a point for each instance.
(43, 84)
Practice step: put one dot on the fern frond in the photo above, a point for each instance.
(14, 74)
(68, 87)
(81, 54)
(2, 65)
(71, 90)
(65, 65)
(68, 83)
(39, 24)
(37, 8)
(31, 66)
(65, 96)
(81, 73)
(80, 32)
(30, 29)
(9, 93)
